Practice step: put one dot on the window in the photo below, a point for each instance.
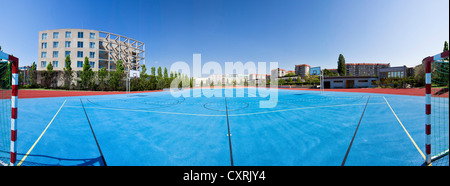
(55, 35)
(91, 54)
(67, 53)
(91, 44)
(68, 34)
(80, 64)
(363, 81)
(44, 45)
(44, 35)
(80, 34)
(55, 63)
(43, 63)
(79, 54)
(55, 44)
(91, 35)
(67, 44)
(80, 44)
(55, 54)
(43, 54)
(92, 64)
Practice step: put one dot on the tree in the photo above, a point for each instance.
(144, 70)
(153, 82)
(144, 79)
(33, 75)
(395, 83)
(116, 81)
(5, 76)
(327, 72)
(312, 79)
(411, 81)
(160, 79)
(102, 74)
(166, 75)
(153, 69)
(166, 78)
(419, 75)
(49, 76)
(376, 83)
(290, 82)
(445, 46)
(21, 80)
(87, 75)
(292, 74)
(68, 72)
(341, 65)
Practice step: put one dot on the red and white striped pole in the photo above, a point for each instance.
(14, 92)
(428, 65)
(428, 62)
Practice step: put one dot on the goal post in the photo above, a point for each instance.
(9, 80)
(436, 106)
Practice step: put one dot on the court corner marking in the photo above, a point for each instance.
(39, 138)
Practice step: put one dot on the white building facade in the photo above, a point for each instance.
(102, 48)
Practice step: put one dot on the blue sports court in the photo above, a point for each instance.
(157, 129)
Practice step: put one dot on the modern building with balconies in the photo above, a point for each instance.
(103, 49)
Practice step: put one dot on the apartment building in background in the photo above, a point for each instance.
(365, 69)
(278, 72)
(302, 70)
(102, 48)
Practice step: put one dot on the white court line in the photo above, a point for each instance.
(245, 114)
(32, 147)
(417, 147)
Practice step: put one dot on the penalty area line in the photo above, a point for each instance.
(406, 131)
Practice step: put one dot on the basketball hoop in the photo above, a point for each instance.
(131, 74)
(134, 74)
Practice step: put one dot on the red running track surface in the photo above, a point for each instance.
(25, 93)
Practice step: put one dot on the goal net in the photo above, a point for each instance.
(8, 112)
(437, 109)
(5, 113)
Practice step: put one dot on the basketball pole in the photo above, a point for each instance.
(322, 88)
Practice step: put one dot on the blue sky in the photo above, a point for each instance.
(314, 32)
